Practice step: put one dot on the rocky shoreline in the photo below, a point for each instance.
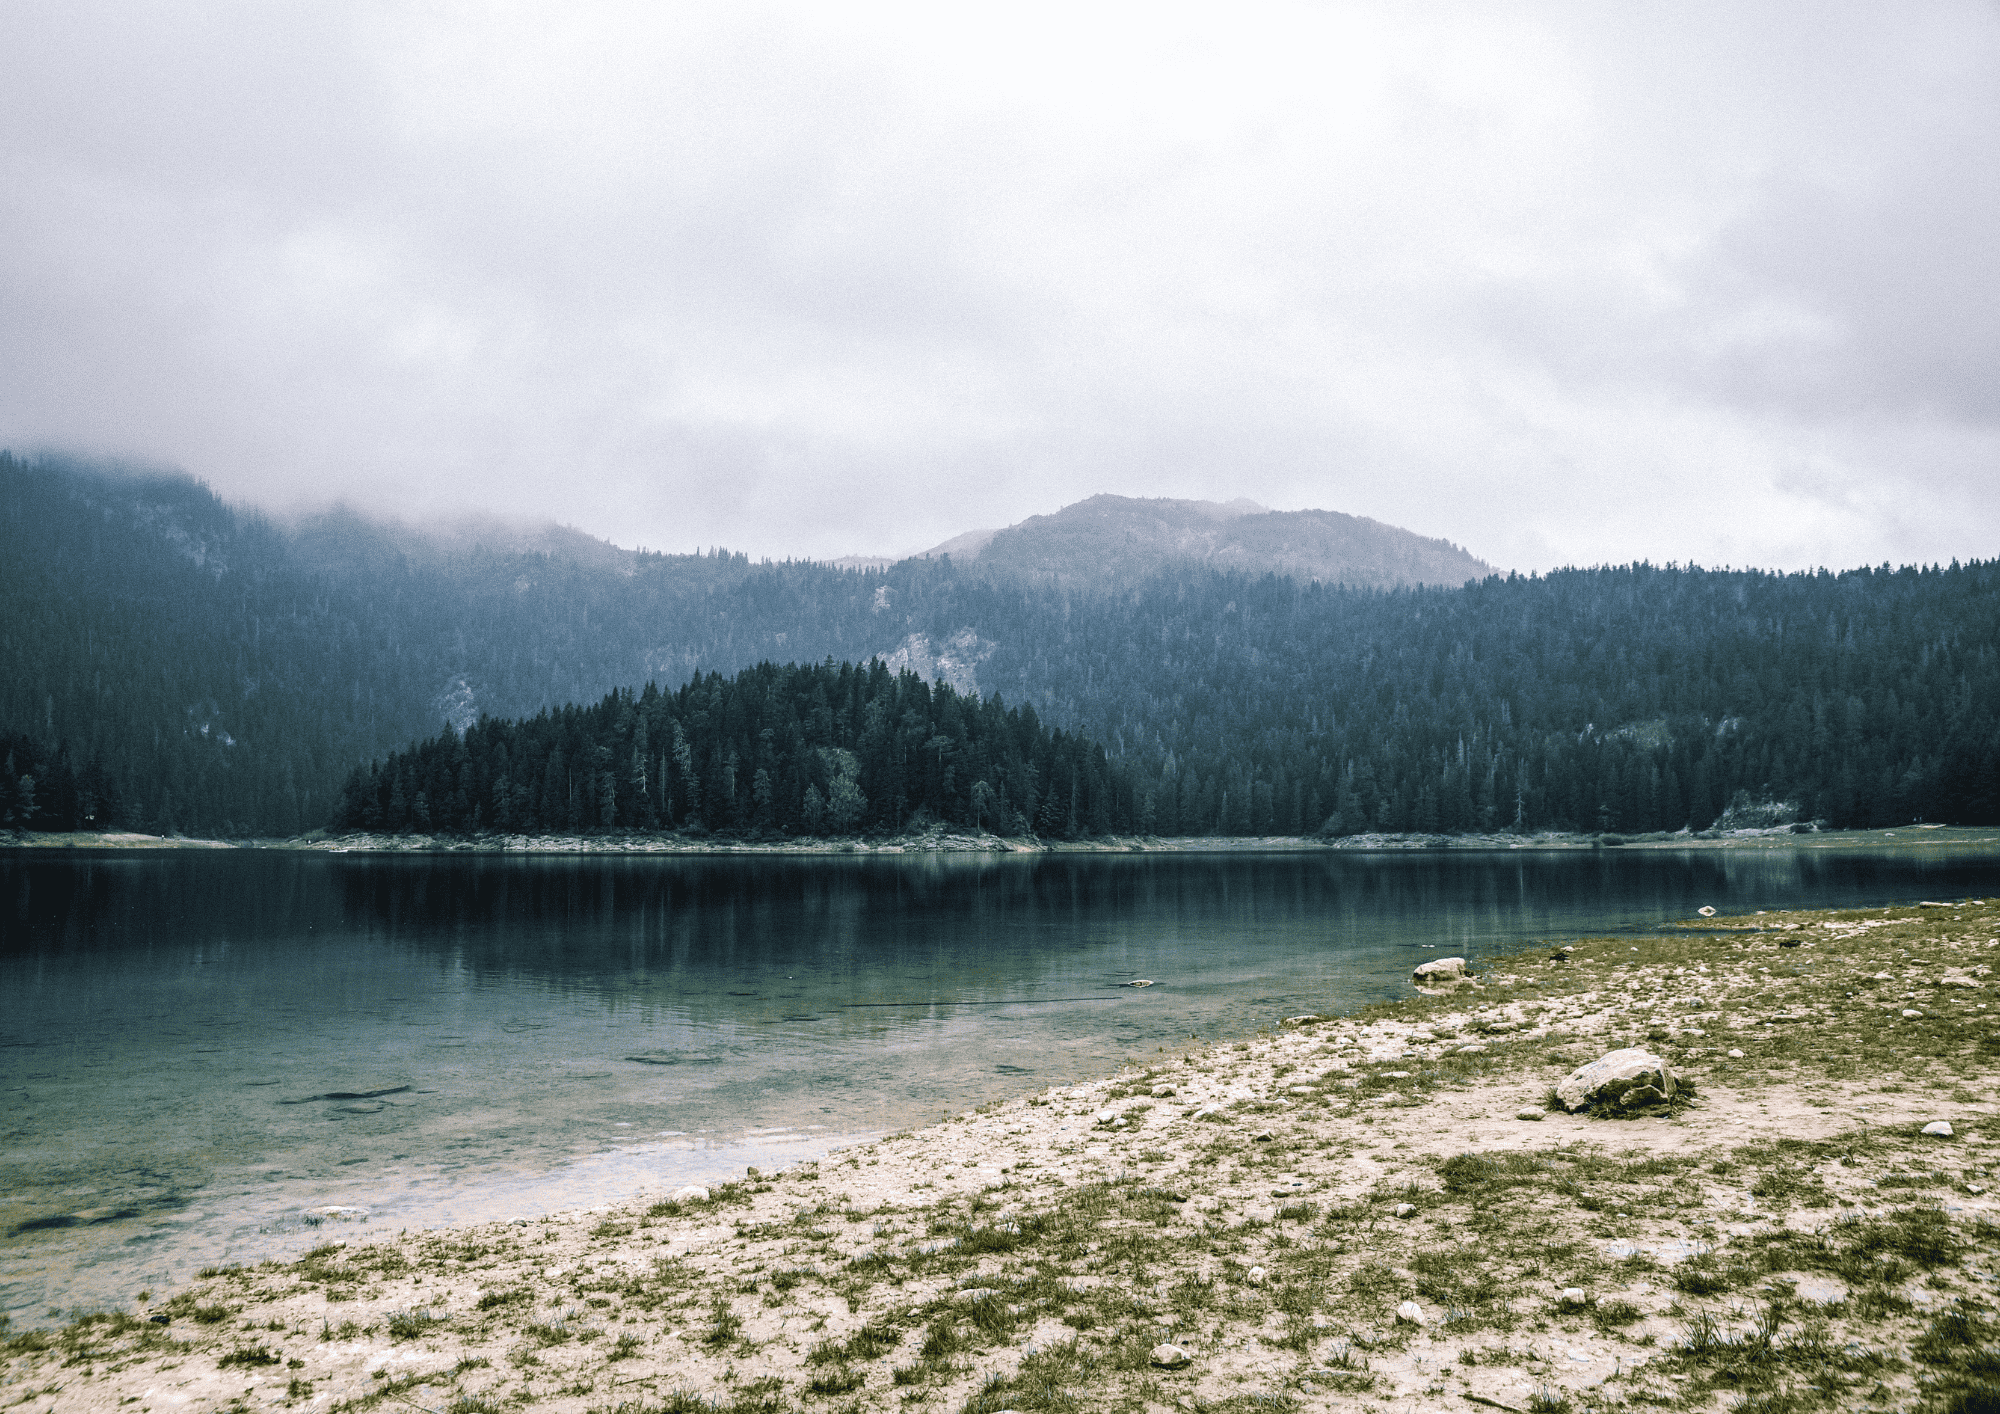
(1389, 1205)
(937, 840)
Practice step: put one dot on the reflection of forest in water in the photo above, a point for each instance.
(571, 915)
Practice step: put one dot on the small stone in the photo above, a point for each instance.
(1533, 1116)
(693, 1193)
(1735, 1054)
(1403, 1210)
(1939, 1127)
(1262, 1136)
(1912, 1012)
(1411, 1314)
(1256, 1276)
(1573, 1296)
(1471, 1048)
(1170, 1357)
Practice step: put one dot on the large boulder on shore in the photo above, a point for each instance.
(1631, 1077)
(1439, 972)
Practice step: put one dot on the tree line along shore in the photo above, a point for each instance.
(171, 665)
(938, 840)
(1326, 1215)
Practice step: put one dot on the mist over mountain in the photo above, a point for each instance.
(218, 672)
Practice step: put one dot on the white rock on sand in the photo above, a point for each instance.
(1630, 1076)
(1438, 970)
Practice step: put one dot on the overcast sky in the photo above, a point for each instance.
(1565, 284)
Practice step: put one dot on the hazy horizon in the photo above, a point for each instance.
(1559, 284)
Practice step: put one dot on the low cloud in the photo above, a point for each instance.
(1563, 285)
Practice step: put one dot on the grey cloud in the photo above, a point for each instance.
(1563, 284)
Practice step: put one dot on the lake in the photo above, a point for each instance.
(221, 1056)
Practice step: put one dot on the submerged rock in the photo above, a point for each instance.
(1632, 1076)
(375, 1093)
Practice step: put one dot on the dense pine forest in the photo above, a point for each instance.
(212, 672)
(827, 750)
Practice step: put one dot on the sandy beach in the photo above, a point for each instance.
(1381, 1209)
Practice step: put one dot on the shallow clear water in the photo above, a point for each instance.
(553, 1032)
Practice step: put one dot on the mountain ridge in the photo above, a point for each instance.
(1126, 537)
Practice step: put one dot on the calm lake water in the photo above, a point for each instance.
(200, 1050)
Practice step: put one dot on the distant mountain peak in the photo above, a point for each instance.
(1123, 537)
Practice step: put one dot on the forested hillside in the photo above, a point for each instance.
(1627, 699)
(819, 750)
(226, 675)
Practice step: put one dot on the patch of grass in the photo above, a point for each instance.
(1961, 1339)
(1920, 1236)
(408, 1325)
(1610, 1315)
(1702, 1276)
(839, 1380)
(868, 1343)
(1056, 1378)
(724, 1325)
(249, 1356)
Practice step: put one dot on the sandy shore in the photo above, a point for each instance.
(1265, 1208)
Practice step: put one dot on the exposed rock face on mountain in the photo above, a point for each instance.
(1120, 537)
(955, 660)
